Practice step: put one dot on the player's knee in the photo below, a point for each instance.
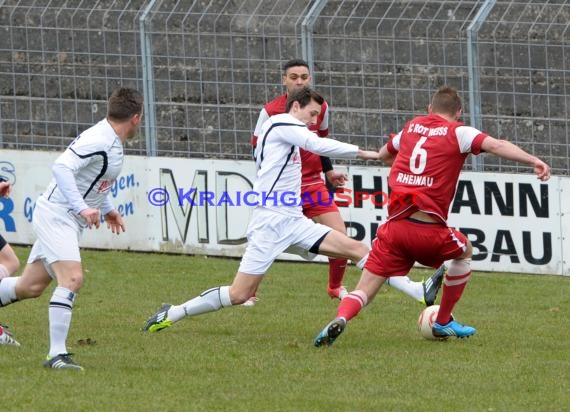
(73, 282)
(76, 283)
(460, 266)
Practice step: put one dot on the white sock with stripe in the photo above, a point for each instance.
(210, 300)
(60, 308)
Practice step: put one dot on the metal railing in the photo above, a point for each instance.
(206, 68)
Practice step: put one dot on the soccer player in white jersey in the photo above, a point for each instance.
(277, 223)
(9, 264)
(76, 198)
(428, 155)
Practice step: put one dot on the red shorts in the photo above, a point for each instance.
(401, 243)
(317, 200)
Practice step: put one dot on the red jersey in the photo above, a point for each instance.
(311, 167)
(430, 152)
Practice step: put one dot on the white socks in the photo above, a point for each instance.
(60, 307)
(8, 290)
(210, 300)
(406, 285)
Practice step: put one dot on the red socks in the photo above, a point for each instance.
(351, 305)
(453, 287)
(337, 267)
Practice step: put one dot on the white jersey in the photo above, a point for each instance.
(86, 170)
(278, 161)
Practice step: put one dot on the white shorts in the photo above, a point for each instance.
(57, 232)
(270, 233)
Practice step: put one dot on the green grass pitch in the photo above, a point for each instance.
(262, 358)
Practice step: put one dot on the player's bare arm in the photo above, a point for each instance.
(368, 155)
(385, 156)
(507, 150)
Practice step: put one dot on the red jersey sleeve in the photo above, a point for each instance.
(477, 142)
(390, 145)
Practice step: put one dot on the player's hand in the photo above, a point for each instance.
(92, 217)
(5, 189)
(115, 222)
(336, 179)
(542, 170)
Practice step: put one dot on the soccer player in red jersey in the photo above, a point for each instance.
(321, 208)
(428, 155)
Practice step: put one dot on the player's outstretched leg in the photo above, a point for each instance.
(330, 332)
(432, 285)
(210, 300)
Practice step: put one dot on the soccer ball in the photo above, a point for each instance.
(426, 320)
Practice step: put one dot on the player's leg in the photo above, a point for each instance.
(337, 244)
(385, 260)
(458, 274)
(7, 267)
(69, 275)
(211, 300)
(33, 281)
(350, 306)
(9, 264)
(30, 284)
(266, 240)
(58, 235)
(337, 266)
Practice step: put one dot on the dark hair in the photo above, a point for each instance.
(304, 97)
(294, 63)
(446, 101)
(124, 103)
